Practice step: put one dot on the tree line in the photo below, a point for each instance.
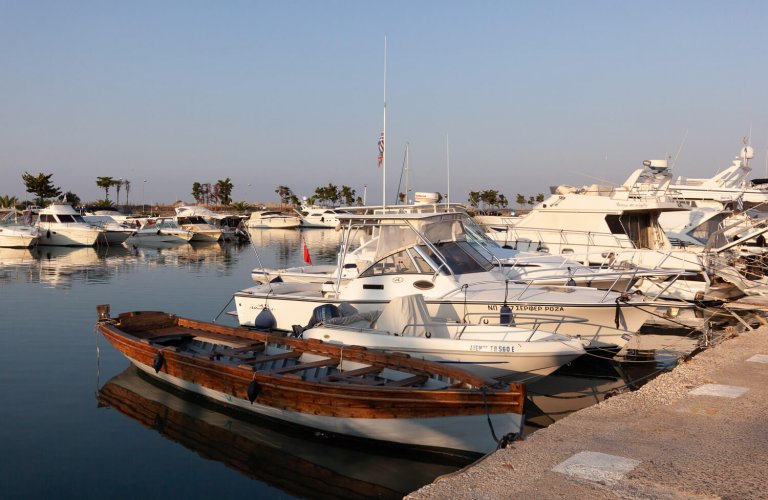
(324, 195)
(491, 198)
(220, 193)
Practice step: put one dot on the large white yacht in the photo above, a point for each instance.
(269, 219)
(320, 217)
(433, 254)
(62, 225)
(598, 224)
(730, 185)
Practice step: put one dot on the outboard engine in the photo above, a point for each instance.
(323, 313)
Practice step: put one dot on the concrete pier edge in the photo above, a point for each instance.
(698, 431)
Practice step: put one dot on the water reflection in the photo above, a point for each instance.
(286, 246)
(298, 464)
(59, 267)
(591, 379)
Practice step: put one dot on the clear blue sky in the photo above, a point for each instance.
(529, 93)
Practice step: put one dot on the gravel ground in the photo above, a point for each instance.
(684, 445)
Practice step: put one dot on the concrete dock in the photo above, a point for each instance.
(699, 431)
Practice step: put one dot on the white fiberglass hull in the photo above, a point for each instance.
(502, 353)
(302, 274)
(203, 233)
(595, 320)
(69, 236)
(158, 239)
(469, 433)
(275, 223)
(17, 239)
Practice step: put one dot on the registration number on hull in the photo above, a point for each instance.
(491, 348)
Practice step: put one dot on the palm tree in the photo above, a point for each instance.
(106, 183)
(8, 201)
(127, 185)
(347, 194)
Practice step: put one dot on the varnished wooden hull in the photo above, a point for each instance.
(448, 418)
(276, 455)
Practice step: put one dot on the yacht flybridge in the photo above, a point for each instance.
(730, 185)
(435, 254)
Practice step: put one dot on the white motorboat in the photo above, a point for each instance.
(231, 225)
(162, 231)
(114, 232)
(531, 267)
(320, 217)
(502, 352)
(268, 219)
(15, 233)
(201, 229)
(61, 225)
(432, 254)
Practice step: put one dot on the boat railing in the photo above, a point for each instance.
(520, 320)
(589, 242)
(516, 322)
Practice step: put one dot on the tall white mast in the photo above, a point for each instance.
(406, 173)
(448, 170)
(384, 135)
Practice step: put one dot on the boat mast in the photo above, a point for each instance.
(384, 136)
(407, 145)
(448, 169)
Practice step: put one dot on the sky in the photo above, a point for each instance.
(514, 95)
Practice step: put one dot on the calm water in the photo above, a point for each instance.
(77, 421)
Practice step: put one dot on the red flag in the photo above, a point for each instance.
(307, 258)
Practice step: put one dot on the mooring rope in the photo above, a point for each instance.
(488, 415)
(223, 308)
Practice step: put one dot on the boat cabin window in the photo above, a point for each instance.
(403, 262)
(47, 218)
(614, 224)
(193, 219)
(460, 256)
(706, 229)
(642, 228)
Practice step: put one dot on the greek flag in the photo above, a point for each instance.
(381, 148)
(740, 202)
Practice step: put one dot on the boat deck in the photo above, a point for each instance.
(277, 359)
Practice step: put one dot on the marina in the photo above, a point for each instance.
(92, 423)
(242, 258)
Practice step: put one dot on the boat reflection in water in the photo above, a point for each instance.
(59, 266)
(297, 461)
(591, 379)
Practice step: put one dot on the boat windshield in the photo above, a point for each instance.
(455, 246)
(68, 218)
(192, 219)
(167, 224)
(461, 256)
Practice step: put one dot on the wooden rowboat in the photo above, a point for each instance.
(274, 454)
(343, 390)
